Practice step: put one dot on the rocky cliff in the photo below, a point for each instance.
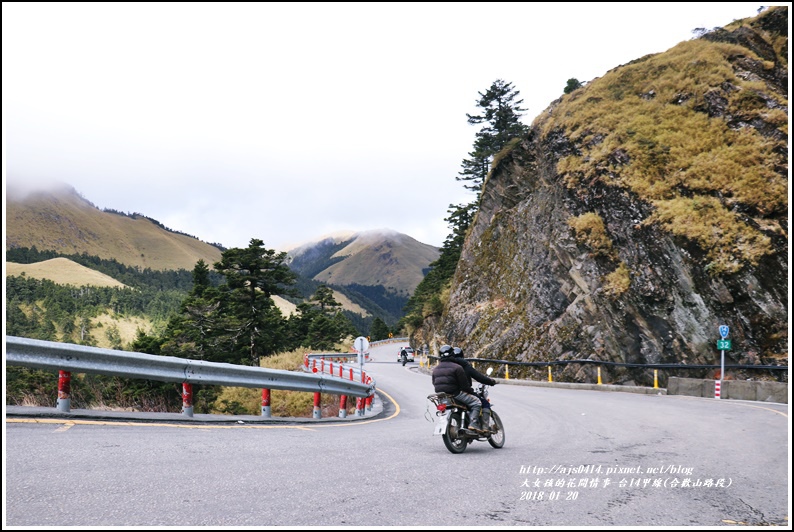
(642, 211)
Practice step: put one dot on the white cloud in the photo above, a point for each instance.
(285, 121)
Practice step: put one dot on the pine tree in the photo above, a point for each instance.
(572, 85)
(201, 278)
(379, 330)
(253, 275)
(500, 116)
(324, 297)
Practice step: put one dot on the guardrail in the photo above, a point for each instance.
(330, 364)
(599, 363)
(67, 358)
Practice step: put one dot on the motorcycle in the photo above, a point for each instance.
(404, 358)
(452, 420)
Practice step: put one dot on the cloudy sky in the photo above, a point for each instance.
(288, 121)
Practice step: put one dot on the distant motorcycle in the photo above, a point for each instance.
(452, 418)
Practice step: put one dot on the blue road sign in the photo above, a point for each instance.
(724, 331)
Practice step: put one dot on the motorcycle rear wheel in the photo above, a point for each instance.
(453, 440)
(497, 439)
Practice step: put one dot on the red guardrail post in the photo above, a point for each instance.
(64, 390)
(187, 399)
(342, 406)
(316, 411)
(265, 402)
(369, 397)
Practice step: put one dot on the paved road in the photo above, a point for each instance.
(578, 458)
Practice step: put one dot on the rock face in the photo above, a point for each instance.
(604, 235)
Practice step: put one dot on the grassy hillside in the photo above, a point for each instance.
(671, 129)
(371, 258)
(62, 271)
(63, 221)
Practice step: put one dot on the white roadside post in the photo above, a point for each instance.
(723, 345)
(361, 346)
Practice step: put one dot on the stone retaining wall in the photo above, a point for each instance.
(767, 391)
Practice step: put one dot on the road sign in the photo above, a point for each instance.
(724, 345)
(361, 344)
(724, 331)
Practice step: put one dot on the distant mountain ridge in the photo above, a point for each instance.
(378, 269)
(373, 272)
(62, 220)
(381, 257)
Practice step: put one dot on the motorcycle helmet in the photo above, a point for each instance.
(457, 352)
(445, 351)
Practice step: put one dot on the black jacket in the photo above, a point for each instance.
(450, 377)
(472, 373)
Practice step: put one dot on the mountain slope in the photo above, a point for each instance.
(642, 211)
(372, 258)
(63, 271)
(373, 272)
(61, 220)
(378, 270)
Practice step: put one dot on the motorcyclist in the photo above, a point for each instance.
(450, 377)
(472, 373)
(404, 355)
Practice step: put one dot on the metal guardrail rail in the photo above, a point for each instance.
(85, 359)
(622, 364)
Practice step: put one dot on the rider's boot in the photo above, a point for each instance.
(474, 422)
(486, 419)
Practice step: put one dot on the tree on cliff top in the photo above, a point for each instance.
(500, 114)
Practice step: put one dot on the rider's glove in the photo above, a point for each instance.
(493, 382)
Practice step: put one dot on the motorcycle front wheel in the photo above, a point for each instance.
(453, 440)
(497, 439)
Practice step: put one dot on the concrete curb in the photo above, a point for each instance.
(574, 385)
(759, 391)
(43, 412)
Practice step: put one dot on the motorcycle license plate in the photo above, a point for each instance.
(441, 425)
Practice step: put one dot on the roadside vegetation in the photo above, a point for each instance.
(234, 321)
(31, 387)
(665, 128)
(499, 116)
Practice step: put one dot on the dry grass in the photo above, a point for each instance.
(126, 326)
(283, 403)
(589, 229)
(642, 127)
(134, 242)
(728, 242)
(617, 282)
(370, 259)
(62, 271)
